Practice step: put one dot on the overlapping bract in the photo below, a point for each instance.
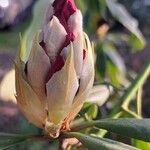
(53, 84)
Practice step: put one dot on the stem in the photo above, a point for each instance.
(139, 101)
(138, 82)
(77, 122)
(84, 125)
(132, 89)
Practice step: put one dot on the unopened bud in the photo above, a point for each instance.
(55, 81)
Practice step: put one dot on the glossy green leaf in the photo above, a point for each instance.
(119, 12)
(94, 143)
(133, 128)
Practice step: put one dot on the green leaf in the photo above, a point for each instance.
(94, 143)
(100, 61)
(112, 73)
(132, 89)
(133, 128)
(81, 5)
(132, 39)
(89, 111)
(115, 58)
(141, 144)
(119, 12)
(9, 140)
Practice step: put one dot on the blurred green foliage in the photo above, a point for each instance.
(10, 38)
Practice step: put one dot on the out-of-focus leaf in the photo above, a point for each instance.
(93, 4)
(134, 42)
(9, 140)
(91, 21)
(121, 14)
(115, 66)
(89, 111)
(141, 144)
(134, 128)
(115, 57)
(38, 18)
(109, 64)
(25, 127)
(100, 61)
(10, 39)
(7, 87)
(81, 5)
(112, 73)
(94, 143)
(99, 94)
(102, 7)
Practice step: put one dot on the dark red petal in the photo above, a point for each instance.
(63, 10)
(84, 54)
(69, 38)
(55, 66)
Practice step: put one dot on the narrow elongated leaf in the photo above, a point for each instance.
(132, 89)
(134, 128)
(119, 12)
(94, 143)
(8, 140)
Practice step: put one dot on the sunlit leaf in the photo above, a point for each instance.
(121, 14)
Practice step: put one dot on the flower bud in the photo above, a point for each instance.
(53, 84)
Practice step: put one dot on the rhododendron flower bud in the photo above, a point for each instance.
(53, 84)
